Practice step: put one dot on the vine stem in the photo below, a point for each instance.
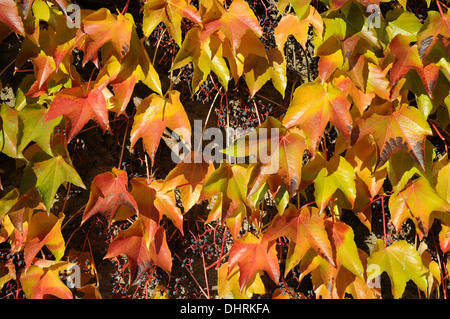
(384, 220)
(126, 7)
(157, 46)
(223, 245)
(192, 275)
(206, 275)
(123, 146)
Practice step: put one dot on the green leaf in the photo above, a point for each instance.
(401, 262)
(9, 128)
(329, 177)
(47, 173)
(402, 22)
(34, 128)
(402, 167)
(229, 183)
(206, 56)
(346, 250)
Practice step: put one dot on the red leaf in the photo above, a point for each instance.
(9, 15)
(132, 243)
(108, 192)
(80, 107)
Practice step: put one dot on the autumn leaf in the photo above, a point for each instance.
(404, 128)
(79, 105)
(229, 282)
(189, 177)
(343, 239)
(401, 167)
(234, 23)
(101, 27)
(9, 130)
(141, 257)
(109, 190)
(206, 56)
(7, 272)
(408, 58)
(290, 24)
(170, 12)
(420, 202)
(49, 172)
(313, 106)
(9, 15)
(401, 262)
(435, 29)
(124, 74)
(305, 229)
(276, 150)
(229, 182)
(25, 5)
(44, 230)
(19, 215)
(252, 254)
(42, 280)
(368, 181)
(153, 202)
(35, 128)
(299, 6)
(153, 115)
(330, 176)
(441, 177)
(44, 66)
(444, 238)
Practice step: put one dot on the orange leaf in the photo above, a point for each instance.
(153, 115)
(408, 58)
(108, 191)
(313, 106)
(305, 228)
(44, 229)
(420, 202)
(234, 23)
(42, 280)
(189, 177)
(252, 254)
(102, 27)
(404, 128)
